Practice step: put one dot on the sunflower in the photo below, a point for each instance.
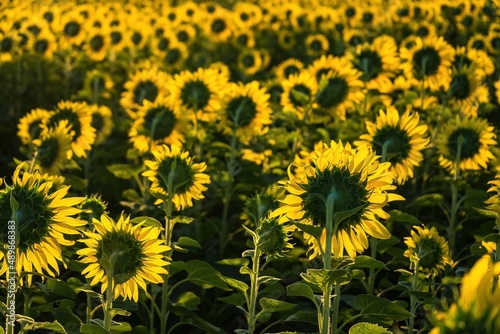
(251, 61)
(70, 28)
(117, 36)
(30, 125)
(428, 61)
(175, 56)
(243, 38)
(492, 41)
(299, 91)
(247, 14)
(93, 206)
(97, 43)
(493, 203)
(219, 26)
(316, 44)
(159, 122)
(354, 37)
(378, 61)
(134, 252)
(259, 205)
(199, 93)
(53, 148)
(161, 42)
(286, 39)
(143, 85)
(43, 44)
(466, 92)
(101, 121)
(78, 117)
(340, 90)
(477, 309)
(43, 218)
(96, 85)
(429, 250)
(288, 67)
(246, 111)
(466, 141)
(399, 140)
(185, 33)
(356, 180)
(9, 43)
(187, 178)
(477, 42)
(477, 59)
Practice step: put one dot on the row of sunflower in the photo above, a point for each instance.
(264, 166)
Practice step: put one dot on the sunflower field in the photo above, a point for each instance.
(257, 166)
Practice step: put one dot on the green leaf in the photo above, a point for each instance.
(188, 300)
(188, 242)
(56, 305)
(322, 277)
(237, 299)
(120, 327)
(122, 278)
(340, 216)
(302, 98)
(367, 328)
(381, 307)
(13, 204)
(488, 213)
(236, 284)
(119, 311)
(270, 305)
(182, 220)
(237, 261)
(191, 318)
(451, 280)
(92, 329)
(124, 171)
(146, 221)
(402, 217)
(76, 183)
(427, 200)
(478, 250)
(267, 280)
(364, 261)
(55, 327)
(204, 275)
(313, 230)
(494, 237)
(59, 288)
(301, 290)
(304, 316)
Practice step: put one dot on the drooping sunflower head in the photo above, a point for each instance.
(477, 309)
(356, 181)
(173, 173)
(133, 255)
(428, 249)
(299, 91)
(465, 143)
(397, 139)
(92, 207)
(273, 237)
(259, 205)
(157, 123)
(245, 111)
(43, 217)
(30, 125)
(53, 148)
(79, 119)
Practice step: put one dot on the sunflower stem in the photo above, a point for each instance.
(88, 306)
(254, 288)
(413, 298)
(453, 217)
(168, 206)
(109, 299)
(228, 193)
(372, 273)
(327, 263)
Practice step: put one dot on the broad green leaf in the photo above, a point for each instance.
(76, 183)
(236, 284)
(478, 250)
(300, 97)
(188, 300)
(248, 253)
(131, 195)
(315, 231)
(122, 278)
(488, 213)
(322, 277)
(124, 171)
(494, 237)
(188, 242)
(301, 290)
(381, 307)
(364, 261)
(92, 329)
(275, 305)
(427, 200)
(367, 328)
(120, 327)
(451, 280)
(146, 221)
(268, 279)
(340, 216)
(304, 316)
(13, 204)
(402, 217)
(119, 311)
(192, 319)
(237, 299)
(237, 261)
(182, 220)
(60, 288)
(204, 275)
(175, 267)
(61, 304)
(55, 327)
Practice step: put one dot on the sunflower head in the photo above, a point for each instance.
(43, 216)
(428, 249)
(53, 148)
(358, 185)
(93, 207)
(132, 255)
(174, 174)
(259, 205)
(30, 125)
(273, 237)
